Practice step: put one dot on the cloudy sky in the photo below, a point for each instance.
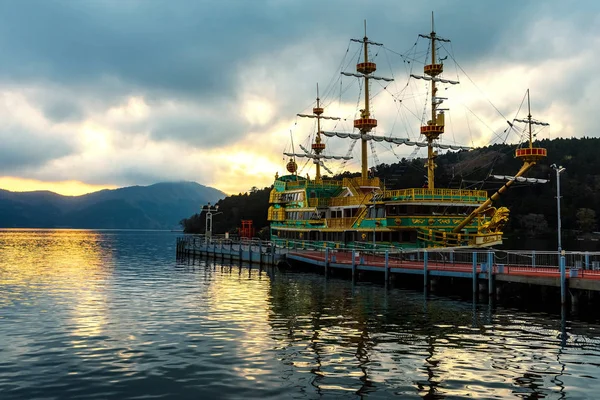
(111, 93)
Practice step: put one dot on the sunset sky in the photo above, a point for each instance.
(104, 94)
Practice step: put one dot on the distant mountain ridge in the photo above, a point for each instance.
(158, 206)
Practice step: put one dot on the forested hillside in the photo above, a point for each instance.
(533, 206)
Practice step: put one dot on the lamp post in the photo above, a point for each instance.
(210, 211)
(561, 256)
(558, 170)
(374, 211)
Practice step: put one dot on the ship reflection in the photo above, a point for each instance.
(357, 340)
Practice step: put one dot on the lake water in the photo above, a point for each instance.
(112, 314)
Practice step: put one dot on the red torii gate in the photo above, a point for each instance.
(247, 230)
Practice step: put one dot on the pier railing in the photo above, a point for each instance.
(449, 257)
(201, 242)
(457, 257)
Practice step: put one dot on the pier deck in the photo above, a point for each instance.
(487, 269)
(580, 278)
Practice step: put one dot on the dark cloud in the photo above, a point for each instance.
(23, 149)
(193, 47)
(63, 110)
(87, 57)
(196, 130)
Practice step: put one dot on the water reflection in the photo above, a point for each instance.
(105, 314)
(464, 350)
(41, 262)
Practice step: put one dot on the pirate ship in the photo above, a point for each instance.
(361, 211)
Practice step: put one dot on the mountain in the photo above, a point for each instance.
(158, 206)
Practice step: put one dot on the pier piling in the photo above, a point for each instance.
(563, 281)
(490, 268)
(353, 265)
(326, 260)
(517, 267)
(387, 268)
(474, 274)
(425, 262)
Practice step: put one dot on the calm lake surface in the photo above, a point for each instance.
(112, 314)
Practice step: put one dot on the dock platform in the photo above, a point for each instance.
(487, 269)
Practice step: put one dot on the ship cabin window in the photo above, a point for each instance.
(455, 210)
(297, 196)
(300, 215)
(452, 210)
(336, 213)
(396, 209)
(418, 210)
(350, 212)
(292, 235)
(332, 236)
(376, 212)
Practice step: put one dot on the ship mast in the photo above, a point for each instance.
(318, 146)
(435, 126)
(365, 123)
(529, 155)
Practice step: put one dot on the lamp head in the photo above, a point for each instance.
(553, 166)
(217, 207)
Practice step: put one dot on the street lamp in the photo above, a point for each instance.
(210, 211)
(374, 215)
(561, 257)
(558, 170)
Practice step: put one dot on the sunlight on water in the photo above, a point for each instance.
(113, 314)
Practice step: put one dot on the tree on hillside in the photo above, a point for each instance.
(586, 219)
(532, 206)
(232, 210)
(533, 224)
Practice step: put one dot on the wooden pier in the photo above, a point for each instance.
(252, 251)
(490, 271)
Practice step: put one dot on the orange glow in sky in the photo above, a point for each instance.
(66, 188)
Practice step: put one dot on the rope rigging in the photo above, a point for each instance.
(402, 95)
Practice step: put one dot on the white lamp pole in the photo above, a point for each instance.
(561, 257)
(210, 211)
(558, 170)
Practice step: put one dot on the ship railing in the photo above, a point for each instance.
(340, 223)
(275, 197)
(358, 182)
(422, 194)
(295, 184)
(325, 183)
(276, 214)
(319, 202)
(346, 201)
